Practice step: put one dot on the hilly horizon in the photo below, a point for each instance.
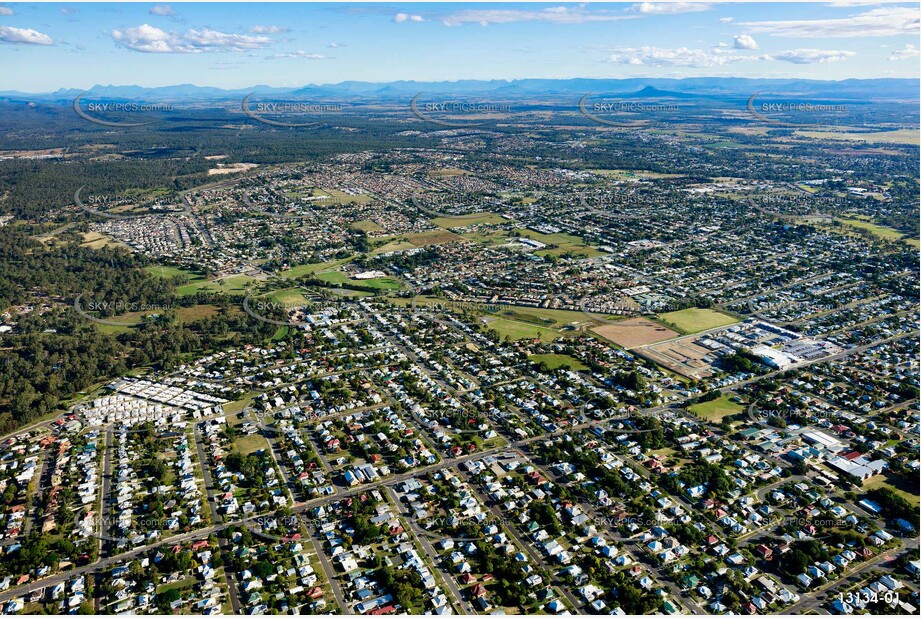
(696, 87)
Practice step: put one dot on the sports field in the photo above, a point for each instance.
(694, 320)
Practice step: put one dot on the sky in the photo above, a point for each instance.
(47, 46)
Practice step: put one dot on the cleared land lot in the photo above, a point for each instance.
(306, 269)
(561, 243)
(555, 361)
(250, 444)
(95, 240)
(634, 332)
(515, 330)
(689, 321)
(465, 220)
(367, 226)
(715, 410)
(435, 237)
(900, 136)
(683, 356)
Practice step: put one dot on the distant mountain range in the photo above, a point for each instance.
(649, 88)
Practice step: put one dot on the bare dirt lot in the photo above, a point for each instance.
(684, 357)
(635, 332)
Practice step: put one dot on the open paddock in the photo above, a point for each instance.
(634, 332)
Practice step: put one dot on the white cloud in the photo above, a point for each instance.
(744, 41)
(670, 8)
(846, 4)
(553, 15)
(401, 17)
(23, 36)
(335, 45)
(67, 10)
(268, 29)
(680, 57)
(163, 10)
(5, 10)
(909, 51)
(811, 56)
(888, 21)
(301, 54)
(725, 20)
(148, 39)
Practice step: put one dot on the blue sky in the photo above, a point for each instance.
(46, 46)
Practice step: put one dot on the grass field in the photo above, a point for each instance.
(435, 237)
(555, 361)
(564, 243)
(233, 407)
(305, 269)
(250, 444)
(515, 330)
(488, 238)
(471, 219)
(900, 136)
(133, 318)
(130, 320)
(688, 321)
(345, 197)
(633, 174)
(95, 240)
(338, 277)
(883, 480)
(886, 233)
(547, 318)
(449, 171)
(233, 283)
(281, 333)
(167, 272)
(367, 226)
(399, 244)
(551, 318)
(196, 312)
(715, 410)
(288, 297)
